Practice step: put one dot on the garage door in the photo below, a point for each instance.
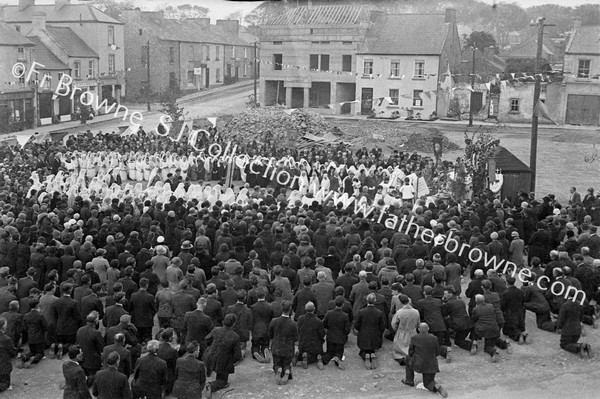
(583, 110)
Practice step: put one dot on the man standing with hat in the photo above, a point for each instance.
(516, 248)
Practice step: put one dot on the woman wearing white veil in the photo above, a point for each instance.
(303, 183)
(139, 167)
(242, 197)
(325, 183)
(228, 197)
(147, 161)
(179, 191)
(184, 165)
(313, 184)
(294, 196)
(163, 166)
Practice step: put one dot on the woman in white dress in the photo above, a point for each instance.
(303, 183)
(139, 167)
(164, 171)
(131, 167)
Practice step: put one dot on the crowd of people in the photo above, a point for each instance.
(150, 297)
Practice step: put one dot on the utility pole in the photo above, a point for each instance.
(536, 97)
(474, 48)
(255, 75)
(148, 74)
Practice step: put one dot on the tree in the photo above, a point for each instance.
(480, 40)
(185, 11)
(265, 12)
(113, 7)
(589, 14)
(176, 113)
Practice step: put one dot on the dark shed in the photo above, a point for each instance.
(516, 175)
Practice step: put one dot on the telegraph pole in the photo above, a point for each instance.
(255, 75)
(474, 48)
(536, 97)
(148, 74)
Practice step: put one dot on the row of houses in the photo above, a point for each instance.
(347, 58)
(135, 58)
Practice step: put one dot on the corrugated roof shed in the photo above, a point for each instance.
(10, 37)
(44, 56)
(73, 45)
(66, 13)
(322, 15)
(585, 40)
(422, 34)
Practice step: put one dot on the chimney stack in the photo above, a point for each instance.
(23, 4)
(59, 3)
(577, 23)
(205, 22)
(450, 16)
(230, 25)
(38, 22)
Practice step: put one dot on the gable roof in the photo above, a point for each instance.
(508, 162)
(528, 49)
(72, 44)
(489, 61)
(322, 15)
(585, 40)
(66, 13)
(187, 30)
(44, 56)
(423, 34)
(10, 37)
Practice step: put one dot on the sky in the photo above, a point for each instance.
(220, 9)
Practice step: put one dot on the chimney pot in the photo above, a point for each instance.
(450, 16)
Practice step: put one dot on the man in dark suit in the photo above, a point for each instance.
(422, 358)
(369, 325)
(150, 374)
(262, 314)
(430, 309)
(243, 317)
(569, 321)
(92, 302)
(82, 291)
(124, 355)
(26, 283)
(66, 313)
(283, 333)
(110, 383)
(337, 324)
(36, 326)
(75, 385)
(486, 326)
(126, 328)
(113, 313)
(143, 309)
(222, 355)
(455, 311)
(153, 280)
(91, 343)
(302, 297)
(575, 197)
(7, 352)
(512, 305)
(197, 325)
(311, 335)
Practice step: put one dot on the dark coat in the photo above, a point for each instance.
(112, 315)
(569, 318)
(91, 343)
(25, 284)
(75, 381)
(124, 355)
(196, 326)
(142, 308)
(456, 312)
(423, 352)
(431, 313)
(149, 377)
(513, 306)
(223, 352)
(169, 354)
(36, 326)
(110, 384)
(302, 297)
(243, 322)
(90, 303)
(337, 324)
(370, 324)
(262, 314)
(311, 334)
(486, 320)
(67, 315)
(190, 378)
(283, 332)
(7, 352)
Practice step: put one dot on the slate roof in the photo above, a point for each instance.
(322, 15)
(189, 30)
(44, 56)
(493, 61)
(508, 162)
(72, 44)
(585, 40)
(67, 13)
(422, 34)
(10, 37)
(528, 48)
